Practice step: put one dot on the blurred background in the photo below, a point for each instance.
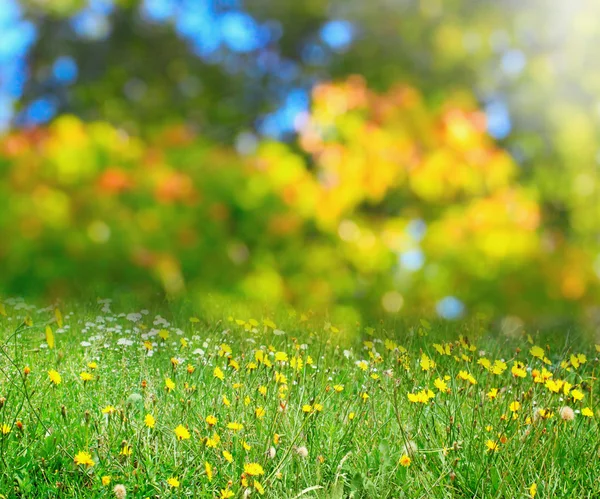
(412, 157)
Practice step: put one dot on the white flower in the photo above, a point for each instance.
(85, 344)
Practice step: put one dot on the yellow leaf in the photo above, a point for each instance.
(49, 337)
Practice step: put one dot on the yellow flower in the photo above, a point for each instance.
(149, 421)
(182, 433)
(211, 420)
(226, 494)
(173, 482)
(228, 457)
(491, 445)
(363, 366)
(169, 384)
(259, 488)
(492, 394)
(54, 377)
(426, 363)
(246, 445)
(217, 373)
(106, 480)
(533, 490)
(253, 469)
(190, 369)
(518, 371)
(306, 408)
(498, 368)
(577, 395)
(515, 406)
(441, 385)
(109, 409)
(126, 450)
(209, 470)
(587, 412)
(235, 426)
(5, 429)
(163, 334)
(405, 461)
(226, 401)
(338, 388)
(92, 365)
(85, 376)
(467, 377)
(84, 458)
(260, 412)
(281, 356)
(537, 352)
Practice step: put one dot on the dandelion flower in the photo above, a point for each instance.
(106, 480)
(5, 429)
(173, 482)
(405, 461)
(566, 413)
(235, 426)
(84, 458)
(54, 377)
(120, 491)
(211, 420)
(182, 432)
(587, 412)
(253, 469)
(149, 421)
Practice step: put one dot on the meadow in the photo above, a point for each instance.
(101, 400)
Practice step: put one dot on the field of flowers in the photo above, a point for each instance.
(98, 401)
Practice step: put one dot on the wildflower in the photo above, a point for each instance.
(405, 461)
(426, 363)
(441, 385)
(226, 494)
(514, 406)
(577, 395)
(5, 429)
(26, 371)
(235, 426)
(498, 367)
(587, 412)
(246, 445)
(218, 373)
(566, 413)
(54, 377)
(533, 490)
(84, 458)
(302, 451)
(209, 470)
(126, 450)
(173, 482)
(228, 457)
(190, 369)
(109, 409)
(259, 412)
(253, 469)
(281, 357)
(518, 370)
(85, 376)
(169, 384)
(537, 352)
(465, 375)
(491, 445)
(106, 480)
(120, 491)
(492, 394)
(149, 421)
(211, 420)
(182, 433)
(338, 388)
(259, 488)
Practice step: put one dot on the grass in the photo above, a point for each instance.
(197, 407)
